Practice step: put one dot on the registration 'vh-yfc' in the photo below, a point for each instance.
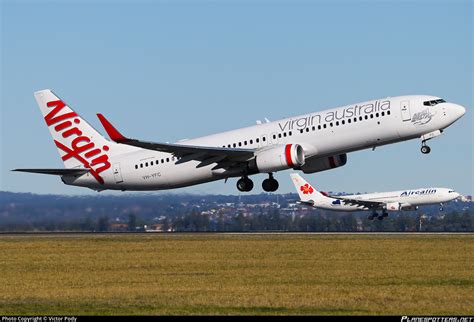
(311, 143)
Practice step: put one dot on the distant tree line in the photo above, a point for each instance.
(271, 220)
(189, 213)
(316, 222)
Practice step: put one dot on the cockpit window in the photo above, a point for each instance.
(434, 102)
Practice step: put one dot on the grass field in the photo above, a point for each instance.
(237, 274)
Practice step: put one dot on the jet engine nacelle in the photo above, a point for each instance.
(280, 157)
(407, 207)
(316, 164)
(393, 206)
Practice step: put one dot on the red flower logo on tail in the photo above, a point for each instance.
(307, 189)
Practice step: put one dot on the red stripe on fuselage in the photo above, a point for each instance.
(288, 155)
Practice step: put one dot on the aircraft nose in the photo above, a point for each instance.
(459, 110)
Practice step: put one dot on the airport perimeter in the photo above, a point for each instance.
(268, 274)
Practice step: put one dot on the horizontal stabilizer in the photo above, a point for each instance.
(58, 172)
(308, 202)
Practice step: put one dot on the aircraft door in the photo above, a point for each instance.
(117, 173)
(405, 110)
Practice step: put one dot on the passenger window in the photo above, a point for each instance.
(162, 160)
(337, 123)
(245, 142)
(258, 140)
(360, 118)
(307, 129)
(146, 164)
(284, 134)
(136, 166)
(376, 114)
(289, 133)
(383, 113)
(324, 125)
(240, 143)
(251, 141)
(330, 124)
(264, 139)
(141, 165)
(234, 145)
(301, 131)
(388, 112)
(343, 122)
(279, 135)
(348, 120)
(319, 127)
(314, 128)
(366, 117)
(371, 116)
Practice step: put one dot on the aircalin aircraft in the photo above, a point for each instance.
(311, 143)
(378, 201)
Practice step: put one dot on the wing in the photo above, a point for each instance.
(224, 157)
(58, 172)
(364, 203)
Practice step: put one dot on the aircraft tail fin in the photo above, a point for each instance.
(78, 143)
(306, 192)
(80, 146)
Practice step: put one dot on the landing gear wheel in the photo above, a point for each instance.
(270, 184)
(425, 149)
(380, 217)
(370, 217)
(244, 184)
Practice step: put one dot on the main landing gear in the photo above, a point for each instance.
(244, 184)
(375, 215)
(270, 184)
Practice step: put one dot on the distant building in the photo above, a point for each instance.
(156, 228)
(118, 227)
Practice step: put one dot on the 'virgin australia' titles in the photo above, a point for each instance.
(345, 112)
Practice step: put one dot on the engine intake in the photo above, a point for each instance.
(280, 157)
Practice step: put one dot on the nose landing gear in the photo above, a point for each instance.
(424, 148)
(270, 184)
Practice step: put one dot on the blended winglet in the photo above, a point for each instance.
(113, 133)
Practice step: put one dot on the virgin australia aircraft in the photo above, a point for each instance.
(313, 142)
(383, 201)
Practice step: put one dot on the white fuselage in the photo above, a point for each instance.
(392, 201)
(321, 134)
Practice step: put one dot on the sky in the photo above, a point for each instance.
(168, 70)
